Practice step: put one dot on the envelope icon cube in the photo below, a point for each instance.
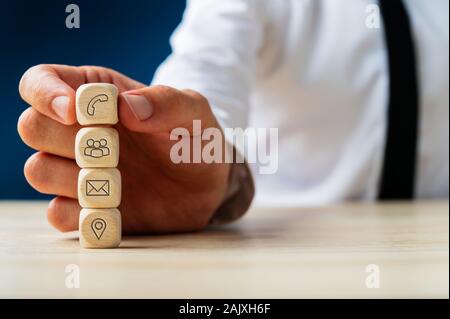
(99, 188)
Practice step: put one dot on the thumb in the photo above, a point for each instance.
(157, 109)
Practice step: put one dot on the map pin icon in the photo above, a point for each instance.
(98, 226)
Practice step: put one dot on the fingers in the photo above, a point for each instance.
(160, 109)
(51, 174)
(44, 134)
(50, 89)
(63, 213)
(43, 88)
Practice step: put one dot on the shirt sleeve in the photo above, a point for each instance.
(214, 52)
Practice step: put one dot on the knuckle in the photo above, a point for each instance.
(104, 70)
(26, 126)
(98, 73)
(168, 97)
(55, 216)
(200, 102)
(34, 85)
(24, 80)
(197, 97)
(35, 170)
(39, 92)
(94, 68)
(164, 89)
(167, 92)
(92, 75)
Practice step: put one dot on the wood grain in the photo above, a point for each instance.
(99, 187)
(272, 252)
(100, 228)
(97, 147)
(96, 103)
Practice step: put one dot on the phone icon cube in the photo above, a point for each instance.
(96, 103)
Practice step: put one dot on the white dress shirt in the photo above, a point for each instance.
(316, 71)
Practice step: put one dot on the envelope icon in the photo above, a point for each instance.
(97, 187)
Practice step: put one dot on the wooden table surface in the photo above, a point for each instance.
(271, 253)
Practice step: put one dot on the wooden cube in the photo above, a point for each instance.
(99, 187)
(100, 228)
(96, 103)
(97, 147)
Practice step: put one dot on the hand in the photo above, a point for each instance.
(158, 196)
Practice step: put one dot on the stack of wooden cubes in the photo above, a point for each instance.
(97, 154)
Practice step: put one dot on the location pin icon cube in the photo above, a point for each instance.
(100, 228)
(96, 103)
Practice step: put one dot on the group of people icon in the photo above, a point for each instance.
(96, 149)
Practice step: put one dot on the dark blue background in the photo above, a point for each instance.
(129, 36)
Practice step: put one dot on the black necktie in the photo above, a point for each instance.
(399, 166)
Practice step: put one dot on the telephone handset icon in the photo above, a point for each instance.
(98, 98)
